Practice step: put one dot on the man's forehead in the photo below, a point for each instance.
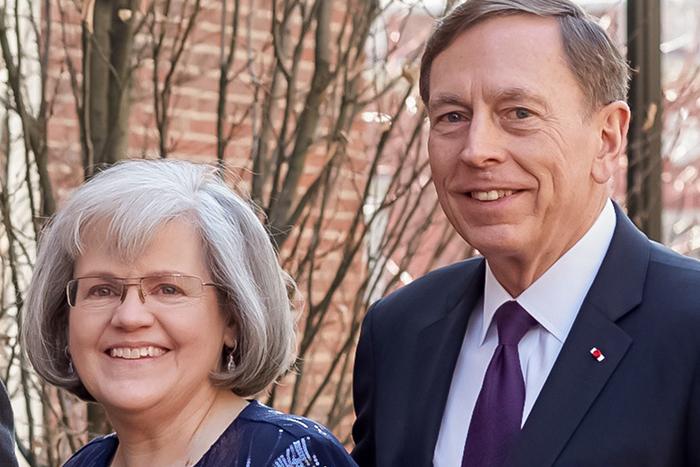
(513, 25)
(504, 34)
(517, 56)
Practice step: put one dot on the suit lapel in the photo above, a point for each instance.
(572, 386)
(437, 348)
(577, 378)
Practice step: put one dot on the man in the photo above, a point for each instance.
(575, 341)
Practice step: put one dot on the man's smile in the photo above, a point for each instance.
(491, 195)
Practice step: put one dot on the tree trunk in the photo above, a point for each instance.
(644, 197)
(107, 45)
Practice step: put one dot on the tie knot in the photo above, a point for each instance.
(512, 322)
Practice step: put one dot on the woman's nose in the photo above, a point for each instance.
(132, 312)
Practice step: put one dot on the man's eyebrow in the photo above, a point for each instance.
(520, 94)
(446, 99)
(509, 94)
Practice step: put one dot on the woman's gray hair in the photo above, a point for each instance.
(135, 198)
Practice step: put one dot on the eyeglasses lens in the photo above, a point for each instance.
(104, 292)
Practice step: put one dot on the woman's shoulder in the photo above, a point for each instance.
(257, 413)
(267, 437)
(96, 453)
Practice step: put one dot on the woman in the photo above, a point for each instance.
(157, 293)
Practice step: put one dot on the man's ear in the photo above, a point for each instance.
(614, 121)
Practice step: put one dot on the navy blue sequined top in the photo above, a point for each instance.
(258, 437)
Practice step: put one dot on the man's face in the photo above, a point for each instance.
(514, 148)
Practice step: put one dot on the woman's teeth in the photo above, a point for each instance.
(134, 353)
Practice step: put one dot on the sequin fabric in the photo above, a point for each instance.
(258, 437)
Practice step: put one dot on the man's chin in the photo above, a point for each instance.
(495, 241)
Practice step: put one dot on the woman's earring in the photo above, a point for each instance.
(71, 371)
(230, 363)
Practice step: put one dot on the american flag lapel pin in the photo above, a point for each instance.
(597, 354)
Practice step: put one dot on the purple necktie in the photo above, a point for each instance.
(498, 411)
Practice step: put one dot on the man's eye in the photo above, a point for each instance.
(452, 117)
(520, 113)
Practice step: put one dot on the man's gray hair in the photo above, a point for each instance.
(594, 60)
(133, 199)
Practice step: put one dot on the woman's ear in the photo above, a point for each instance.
(614, 123)
(231, 335)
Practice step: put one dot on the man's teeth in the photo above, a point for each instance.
(492, 195)
(134, 353)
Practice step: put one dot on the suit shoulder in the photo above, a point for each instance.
(664, 257)
(672, 289)
(675, 276)
(439, 280)
(436, 290)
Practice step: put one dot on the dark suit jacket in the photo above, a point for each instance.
(638, 407)
(7, 432)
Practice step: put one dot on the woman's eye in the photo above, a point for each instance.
(104, 290)
(168, 289)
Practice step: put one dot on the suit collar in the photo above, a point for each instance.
(554, 299)
(577, 378)
(613, 293)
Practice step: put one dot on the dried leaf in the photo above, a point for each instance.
(124, 14)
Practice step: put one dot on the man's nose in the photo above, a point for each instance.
(484, 142)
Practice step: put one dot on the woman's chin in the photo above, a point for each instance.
(134, 400)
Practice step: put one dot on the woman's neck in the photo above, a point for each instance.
(174, 436)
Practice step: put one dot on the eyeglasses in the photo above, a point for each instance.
(104, 293)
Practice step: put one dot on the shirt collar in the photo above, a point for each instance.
(555, 298)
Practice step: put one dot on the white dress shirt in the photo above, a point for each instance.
(554, 301)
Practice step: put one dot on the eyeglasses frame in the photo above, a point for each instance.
(133, 281)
